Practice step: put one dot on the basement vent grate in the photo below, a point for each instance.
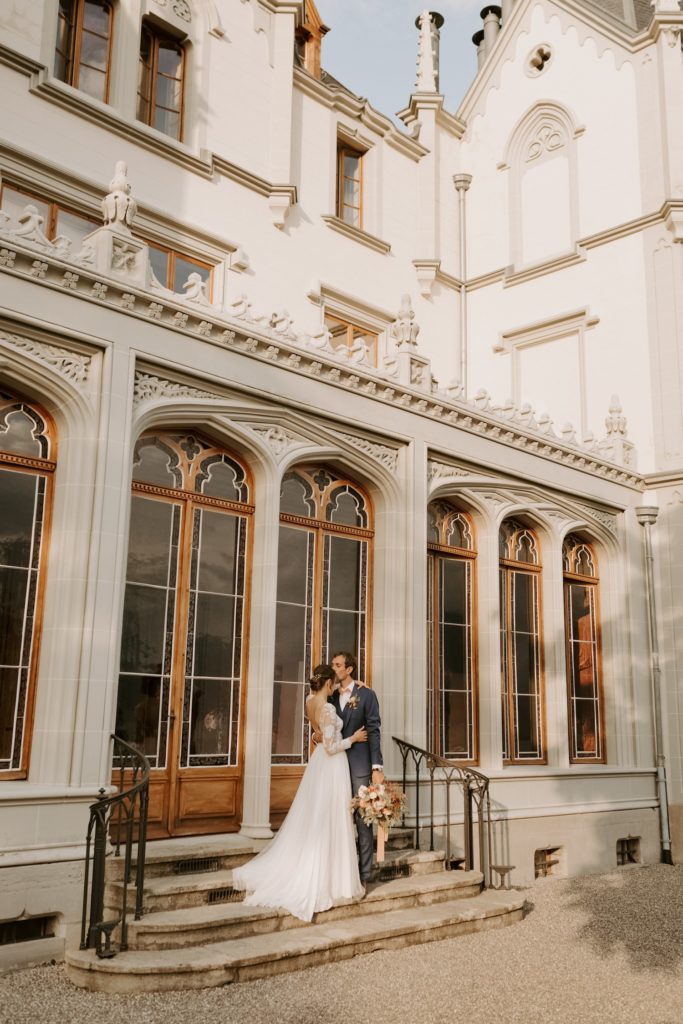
(545, 860)
(27, 929)
(391, 871)
(227, 895)
(628, 851)
(196, 865)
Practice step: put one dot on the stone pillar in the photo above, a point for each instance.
(462, 184)
(259, 711)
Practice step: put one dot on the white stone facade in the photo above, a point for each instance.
(572, 295)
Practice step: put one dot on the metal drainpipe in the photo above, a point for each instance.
(647, 517)
(462, 183)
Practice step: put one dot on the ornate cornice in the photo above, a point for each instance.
(255, 339)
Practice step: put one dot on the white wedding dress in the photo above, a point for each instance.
(311, 863)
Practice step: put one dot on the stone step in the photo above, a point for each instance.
(177, 891)
(263, 956)
(173, 892)
(400, 839)
(187, 856)
(413, 862)
(199, 925)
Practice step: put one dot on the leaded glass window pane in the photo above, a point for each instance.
(22, 511)
(522, 700)
(214, 639)
(148, 626)
(293, 640)
(582, 656)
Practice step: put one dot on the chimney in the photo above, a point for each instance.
(491, 17)
(478, 40)
(429, 23)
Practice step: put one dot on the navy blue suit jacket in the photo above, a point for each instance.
(361, 756)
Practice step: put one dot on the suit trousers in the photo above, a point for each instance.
(366, 845)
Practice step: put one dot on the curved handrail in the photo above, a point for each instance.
(475, 789)
(125, 815)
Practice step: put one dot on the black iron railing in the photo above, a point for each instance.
(121, 817)
(475, 798)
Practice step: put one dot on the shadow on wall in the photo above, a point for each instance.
(619, 924)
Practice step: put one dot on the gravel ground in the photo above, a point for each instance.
(604, 948)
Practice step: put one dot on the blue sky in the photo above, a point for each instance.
(372, 47)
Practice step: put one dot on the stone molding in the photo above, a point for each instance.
(73, 366)
(258, 340)
(364, 237)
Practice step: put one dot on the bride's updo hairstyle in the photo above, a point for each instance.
(321, 674)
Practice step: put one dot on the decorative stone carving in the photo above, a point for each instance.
(615, 445)
(404, 330)
(118, 206)
(549, 138)
(387, 457)
(180, 8)
(444, 471)
(150, 388)
(30, 233)
(606, 518)
(196, 290)
(281, 322)
(73, 366)
(277, 438)
(112, 249)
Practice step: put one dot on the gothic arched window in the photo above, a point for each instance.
(322, 593)
(181, 681)
(520, 644)
(451, 694)
(26, 470)
(582, 637)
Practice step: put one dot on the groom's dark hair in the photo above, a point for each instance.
(349, 661)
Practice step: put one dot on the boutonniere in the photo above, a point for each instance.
(353, 702)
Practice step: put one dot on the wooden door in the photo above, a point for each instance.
(183, 658)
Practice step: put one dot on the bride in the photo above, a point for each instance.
(312, 861)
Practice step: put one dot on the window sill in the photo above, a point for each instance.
(371, 241)
(103, 114)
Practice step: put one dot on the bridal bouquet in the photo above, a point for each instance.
(380, 804)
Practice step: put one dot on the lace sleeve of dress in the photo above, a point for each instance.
(328, 727)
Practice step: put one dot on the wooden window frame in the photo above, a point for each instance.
(469, 555)
(352, 327)
(73, 58)
(508, 566)
(54, 208)
(173, 255)
(569, 578)
(34, 466)
(321, 528)
(50, 230)
(189, 500)
(158, 35)
(346, 149)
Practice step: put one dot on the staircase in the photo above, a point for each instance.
(197, 933)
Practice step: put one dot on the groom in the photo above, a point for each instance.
(357, 706)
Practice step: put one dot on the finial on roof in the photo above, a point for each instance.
(118, 206)
(429, 23)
